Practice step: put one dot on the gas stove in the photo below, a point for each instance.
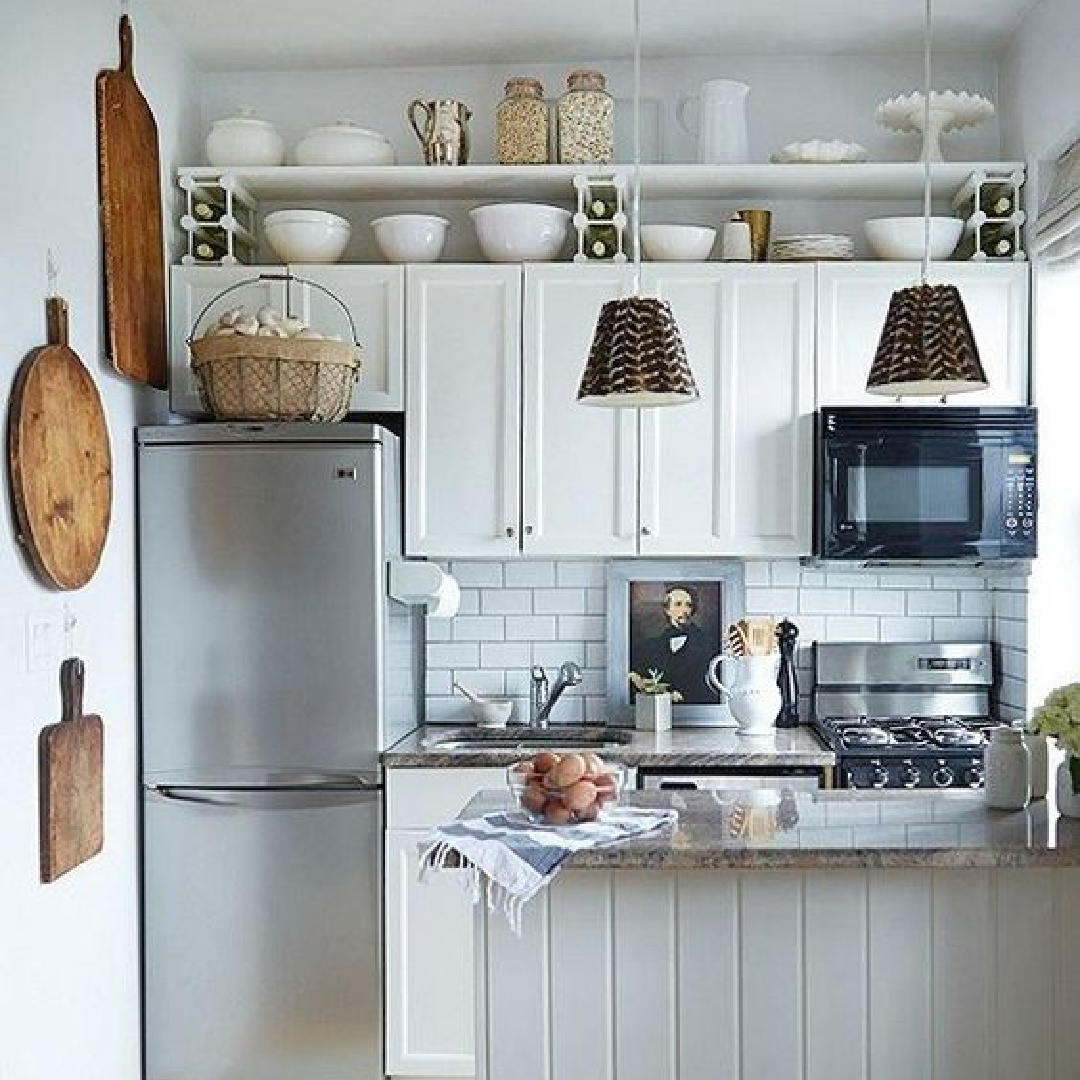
(904, 715)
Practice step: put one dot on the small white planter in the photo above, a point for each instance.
(652, 712)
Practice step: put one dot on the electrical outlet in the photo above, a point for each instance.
(43, 630)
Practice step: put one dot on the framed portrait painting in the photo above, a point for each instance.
(666, 622)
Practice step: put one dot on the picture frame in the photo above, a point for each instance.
(643, 598)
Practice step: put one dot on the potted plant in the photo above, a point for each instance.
(1059, 716)
(653, 701)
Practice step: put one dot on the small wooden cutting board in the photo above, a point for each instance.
(71, 756)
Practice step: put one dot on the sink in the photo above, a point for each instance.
(562, 736)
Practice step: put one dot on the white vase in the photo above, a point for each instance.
(652, 712)
(1068, 801)
(752, 694)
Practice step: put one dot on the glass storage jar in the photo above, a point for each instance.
(522, 124)
(585, 121)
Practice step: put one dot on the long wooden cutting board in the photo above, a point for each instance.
(72, 755)
(131, 228)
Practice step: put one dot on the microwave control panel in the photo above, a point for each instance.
(1019, 509)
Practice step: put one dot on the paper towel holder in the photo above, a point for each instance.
(418, 582)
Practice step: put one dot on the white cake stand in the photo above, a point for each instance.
(950, 110)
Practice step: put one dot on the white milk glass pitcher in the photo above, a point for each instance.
(717, 118)
(753, 694)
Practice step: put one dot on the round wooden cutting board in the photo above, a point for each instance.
(61, 465)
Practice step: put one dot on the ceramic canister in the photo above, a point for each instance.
(1008, 770)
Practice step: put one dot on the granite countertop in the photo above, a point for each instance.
(686, 748)
(775, 829)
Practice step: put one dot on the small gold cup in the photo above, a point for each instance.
(760, 222)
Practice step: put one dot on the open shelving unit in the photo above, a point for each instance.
(870, 180)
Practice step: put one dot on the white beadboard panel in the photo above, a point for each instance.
(964, 964)
(1065, 977)
(834, 918)
(709, 975)
(770, 960)
(1024, 1026)
(900, 998)
(645, 976)
(582, 1001)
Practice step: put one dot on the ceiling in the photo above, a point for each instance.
(239, 35)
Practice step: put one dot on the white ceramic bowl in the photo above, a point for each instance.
(306, 236)
(343, 143)
(902, 237)
(677, 243)
(410, 238)
(492, 712)
(520, 232)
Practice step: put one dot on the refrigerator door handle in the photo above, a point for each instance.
(278, 797)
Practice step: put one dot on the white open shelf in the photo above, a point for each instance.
(872, 180)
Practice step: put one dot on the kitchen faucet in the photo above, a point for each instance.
(541, 700)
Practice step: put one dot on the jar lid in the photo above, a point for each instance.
(245, 117)
(524, 84)
(1008, 734)
(586, 79)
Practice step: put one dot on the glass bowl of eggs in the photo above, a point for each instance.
(565, 789)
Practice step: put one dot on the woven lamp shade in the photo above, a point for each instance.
(927, 347)
(637, 358)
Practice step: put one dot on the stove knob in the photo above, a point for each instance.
(879, 775)
(910, 775)
(943, 776)
(973, 776)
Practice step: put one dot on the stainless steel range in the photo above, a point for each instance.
(905, 715)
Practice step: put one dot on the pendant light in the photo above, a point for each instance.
(926, 347)
(637, 359)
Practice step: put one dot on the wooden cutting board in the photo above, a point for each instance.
(134, 250)
(59, 458)
(72, 755)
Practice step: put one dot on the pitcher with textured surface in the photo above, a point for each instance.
(751, 690)
(444, 132)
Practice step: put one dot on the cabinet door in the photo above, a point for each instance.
(429, 966)
(191, 289)
(579, 463)
(462, 452)
(732, 473)
(374, 296)
(853, 299)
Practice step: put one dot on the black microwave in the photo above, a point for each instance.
(926, 483)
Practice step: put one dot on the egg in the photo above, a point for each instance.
(556, 813)
(581, 795)
(544, 761)
(594, 764)
(268, 315)
(590, 813)
(534, 798)
(569, 770)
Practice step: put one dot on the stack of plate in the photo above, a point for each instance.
(819, 246)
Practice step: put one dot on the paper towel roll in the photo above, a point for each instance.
(447, 599)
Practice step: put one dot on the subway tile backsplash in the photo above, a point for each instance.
(518, 613)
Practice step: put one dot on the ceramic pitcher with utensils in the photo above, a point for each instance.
(751, 691)
(444, 130)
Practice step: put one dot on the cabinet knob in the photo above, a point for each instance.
(646, 531)
(510, 531)
(528, 530)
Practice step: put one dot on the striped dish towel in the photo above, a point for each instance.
(516, 858)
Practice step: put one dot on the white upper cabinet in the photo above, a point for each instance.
(853, 299)
(463, 400)
(579, 462)
(732, 473)
(373, 296)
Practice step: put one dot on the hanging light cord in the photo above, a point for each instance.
(927, 205)
(635, 201)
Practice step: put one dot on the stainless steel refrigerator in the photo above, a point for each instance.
(274, 668)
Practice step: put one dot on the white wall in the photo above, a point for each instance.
(68, 951)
